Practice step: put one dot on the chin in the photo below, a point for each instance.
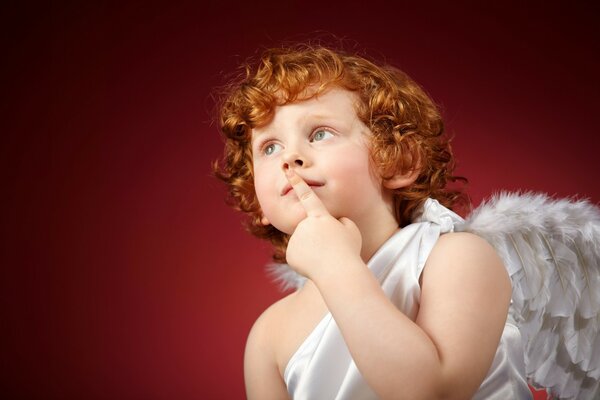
(289, 225)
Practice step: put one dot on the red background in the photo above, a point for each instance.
(124, 275)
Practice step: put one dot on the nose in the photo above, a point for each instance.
(293, 160)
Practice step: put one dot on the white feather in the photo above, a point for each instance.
(285, 276)
(551, 250)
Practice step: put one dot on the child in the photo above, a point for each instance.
(343, 165)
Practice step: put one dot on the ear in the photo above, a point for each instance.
(401, 180)
(264, 221)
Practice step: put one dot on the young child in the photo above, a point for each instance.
(343, 165)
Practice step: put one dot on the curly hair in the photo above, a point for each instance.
(407, 128)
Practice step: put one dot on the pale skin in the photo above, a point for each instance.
(444, 354)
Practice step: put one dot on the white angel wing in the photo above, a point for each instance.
(551, 249)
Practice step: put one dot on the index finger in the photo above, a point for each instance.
(313, 206)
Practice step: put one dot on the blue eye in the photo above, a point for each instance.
(321, 135)
(271, 149)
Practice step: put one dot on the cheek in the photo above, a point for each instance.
(354, 166)
(266, 188)
(261, 186)
(356, 188)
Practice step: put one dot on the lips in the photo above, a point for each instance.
(309, 182)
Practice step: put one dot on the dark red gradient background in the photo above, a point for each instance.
(124, 274)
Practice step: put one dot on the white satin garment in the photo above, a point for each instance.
(322, 367)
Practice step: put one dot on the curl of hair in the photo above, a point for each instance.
(407, 128)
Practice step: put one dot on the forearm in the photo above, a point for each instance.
(395, 356)
(430, 358)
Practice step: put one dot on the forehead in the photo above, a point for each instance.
(333, 104)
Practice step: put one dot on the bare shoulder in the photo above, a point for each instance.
(458, 242)
(465, 268)
(264, 330)
(276, 336)
(261, 372)
(469, 256)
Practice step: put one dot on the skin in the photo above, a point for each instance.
(465, 288)
(324, 141)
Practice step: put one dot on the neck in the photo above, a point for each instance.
(375, 233)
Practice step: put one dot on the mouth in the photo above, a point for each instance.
(313, 184)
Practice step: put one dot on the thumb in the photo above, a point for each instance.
(351, 227)
(347, 222)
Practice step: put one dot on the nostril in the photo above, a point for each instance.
(286, 166)
(299, 162)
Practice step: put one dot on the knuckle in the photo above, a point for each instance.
(306, 195)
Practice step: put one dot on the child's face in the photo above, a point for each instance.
(327, 145)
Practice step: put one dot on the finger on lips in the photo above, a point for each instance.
(309, 200)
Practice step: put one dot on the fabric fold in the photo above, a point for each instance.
(322, 367)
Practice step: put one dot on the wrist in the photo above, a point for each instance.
(335, 272)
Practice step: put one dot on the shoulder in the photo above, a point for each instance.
(469, 256)
(465, 259)
(460, 241)
(264, 332)
(261, 373)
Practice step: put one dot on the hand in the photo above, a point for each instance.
(320, 242)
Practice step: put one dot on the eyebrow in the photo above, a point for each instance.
(256, 135)
(317, 117)
(308, 117)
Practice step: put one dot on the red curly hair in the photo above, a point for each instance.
(407, 129)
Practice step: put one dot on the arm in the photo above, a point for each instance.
(464, 302)
(448, 351)
(261, 374)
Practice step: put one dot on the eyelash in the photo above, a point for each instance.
(263, 146)
(320, 129)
